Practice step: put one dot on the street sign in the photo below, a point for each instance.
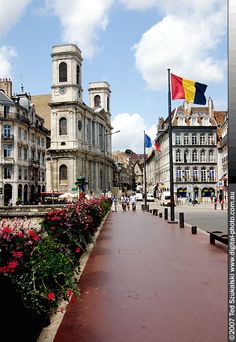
(190, 188)
(74, 189)
(220, 183)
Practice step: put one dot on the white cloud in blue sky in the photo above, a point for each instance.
(187, 36)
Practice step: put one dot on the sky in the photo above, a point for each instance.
(128, 43)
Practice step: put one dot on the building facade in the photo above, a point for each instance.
(80, 134)
(195, 152)
(23, 148)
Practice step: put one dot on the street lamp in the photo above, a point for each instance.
(104, 156)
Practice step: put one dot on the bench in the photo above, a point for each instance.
(219, 236)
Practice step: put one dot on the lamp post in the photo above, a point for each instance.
(104, 156)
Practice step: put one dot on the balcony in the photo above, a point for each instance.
(8, 161)
(34, 163)
(8, 138)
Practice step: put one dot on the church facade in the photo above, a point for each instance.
(80, 134)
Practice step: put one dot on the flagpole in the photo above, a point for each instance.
(145, 175)
(172, 205)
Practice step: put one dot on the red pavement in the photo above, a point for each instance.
(149, 281)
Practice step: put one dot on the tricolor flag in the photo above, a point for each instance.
(157, 146)
(189, 90)
(147, 141)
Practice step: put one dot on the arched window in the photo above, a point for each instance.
(97, 101)
(211, 156)
(212, 174)
(202, 139)
(108, 104)
(186, 140)
(195, 174)
(210, 139)
(77, 74)
(203, 174)
(194, 139)
(186, 174)
(63, 126)
(178, 139)
(178, 174)
(186, 156)
(203, 156)
(178, 156)
(194, 156)
(63, 72)
(63, 173)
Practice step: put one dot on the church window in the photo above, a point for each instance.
(63, 173)
(97, 101)
(63, 72)
(63, 126)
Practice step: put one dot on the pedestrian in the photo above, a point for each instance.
(114, 203)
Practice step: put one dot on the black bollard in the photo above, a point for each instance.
(150, 211)
(194, 229)
(160, 214)
(222, 206)
(166, 213)
(215, 206)
(181, 220)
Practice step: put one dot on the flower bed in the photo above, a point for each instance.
(40, 264)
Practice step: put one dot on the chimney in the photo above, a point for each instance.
(210, 107)
(6, 86)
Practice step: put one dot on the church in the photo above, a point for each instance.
(80, 139)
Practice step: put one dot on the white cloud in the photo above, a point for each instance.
(131, 135)
(10, 13)
(6, 53)
(82, 21)
(185, 45)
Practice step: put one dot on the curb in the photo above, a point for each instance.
(48, 333)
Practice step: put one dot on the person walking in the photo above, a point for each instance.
(114, 203)
(132, 200)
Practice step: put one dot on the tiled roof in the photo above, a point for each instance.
(42, 108)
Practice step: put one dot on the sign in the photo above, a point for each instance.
(190, 188)
(220, 183)
(74, 189)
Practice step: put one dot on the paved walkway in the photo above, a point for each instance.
(149, 281)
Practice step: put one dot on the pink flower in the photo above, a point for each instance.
(78, 250)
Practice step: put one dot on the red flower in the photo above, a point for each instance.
(51, 296)
(77, 250)
(33, 235)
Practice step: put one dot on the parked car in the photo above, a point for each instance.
(139, 196)
(150, 197)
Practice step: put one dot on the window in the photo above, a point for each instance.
(89, 128)
(210, 139)
(63, 173)
(186, 174)
(7, 173)
(6, 131)
(38, 140)
(25, 174)
(63, 126)
(194, 156)
(195, 175)
(202, 139)
(20, 173)
(19, 152)
(203, 175)
(178, 139)
(186, 140)
(63, 72)
(193, 121)
(97, 101)
(181, 121)
(186, 156)
(108, 104)
(43, 176)
(178, 174)
(211, 156)
(6, 111)
(212, 174)
(19, 133)
(25, 153)
(205, 121)
(7, 150)
(194, 139)
(178, 156)
(203, 156)
(77, 74)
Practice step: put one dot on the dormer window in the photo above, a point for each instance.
(63, 72)
(193, 121)
(180, 121)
